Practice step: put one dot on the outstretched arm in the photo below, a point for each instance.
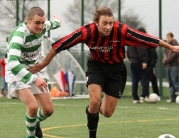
(166, 45)
(62, 44)
(44, 63)
(137, 38)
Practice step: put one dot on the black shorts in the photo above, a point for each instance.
(111, 78)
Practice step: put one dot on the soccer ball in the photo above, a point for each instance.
(166, 136)
(177, 99)
(153, 98)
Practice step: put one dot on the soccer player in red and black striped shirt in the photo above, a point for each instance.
(106, 39)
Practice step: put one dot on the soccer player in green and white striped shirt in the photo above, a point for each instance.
(24, 50)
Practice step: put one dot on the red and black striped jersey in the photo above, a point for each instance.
(108, 49)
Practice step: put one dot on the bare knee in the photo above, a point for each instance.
(32, 110)
(94, 105)
(95, 96)
(48, 112)
(107, 113)
(108, 105)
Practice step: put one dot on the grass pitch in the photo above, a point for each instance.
(69, 120)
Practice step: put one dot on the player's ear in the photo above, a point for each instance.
(96, 23)
(27, 19)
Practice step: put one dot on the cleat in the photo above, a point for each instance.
(38, 131)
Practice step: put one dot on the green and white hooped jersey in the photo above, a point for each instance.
(24, 50)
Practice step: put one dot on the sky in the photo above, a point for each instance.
(147, 10)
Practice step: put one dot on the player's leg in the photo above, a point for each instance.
(95, 83)
(108, 105)
(92, 110)
(113, 88)
(31, 105)
(113, 91)
(46, 106)
(45, 110)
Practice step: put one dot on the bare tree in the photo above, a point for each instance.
(8, 14)
(132, 19)
(73, 13)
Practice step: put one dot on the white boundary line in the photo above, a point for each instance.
(120, 107)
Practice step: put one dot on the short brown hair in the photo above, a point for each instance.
(102, 11)
(170, 34)
(35, 10)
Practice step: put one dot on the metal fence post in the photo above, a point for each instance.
(160, 50)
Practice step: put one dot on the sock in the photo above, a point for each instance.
(31, 126)
(92, 123)
(40, 116)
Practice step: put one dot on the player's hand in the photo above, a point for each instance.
(144, 65)
(56, 17)
(38, 67)
(41, 84)
(175, 49)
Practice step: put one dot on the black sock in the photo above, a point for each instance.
(92, 123)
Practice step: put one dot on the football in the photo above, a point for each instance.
(177, 99)
(153, 98)
(166, 136)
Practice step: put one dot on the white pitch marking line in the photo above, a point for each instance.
(123, 107)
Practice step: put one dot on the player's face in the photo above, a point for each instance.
(168, 38)
(105, 25)
(36, 24)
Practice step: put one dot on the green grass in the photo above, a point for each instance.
(69, 120)
(128, 90)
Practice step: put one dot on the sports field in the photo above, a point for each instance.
(69, 120)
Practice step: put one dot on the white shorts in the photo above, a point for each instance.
(18, 85)
(13, 87)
